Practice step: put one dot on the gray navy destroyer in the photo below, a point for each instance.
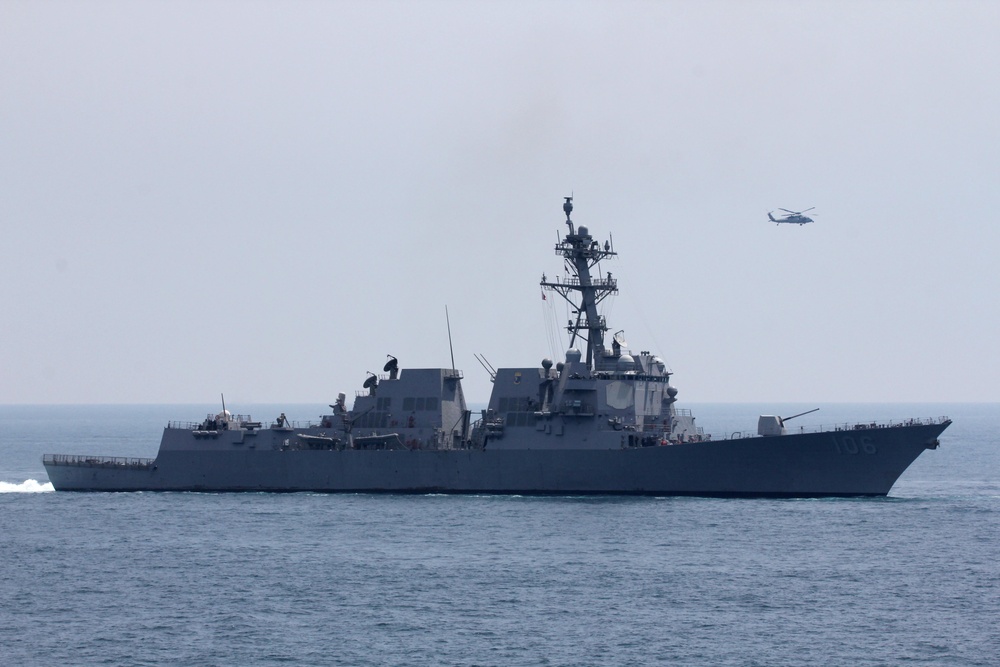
(601, 421)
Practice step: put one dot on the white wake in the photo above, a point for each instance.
(27, 486)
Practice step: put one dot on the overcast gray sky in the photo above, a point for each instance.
(266, 198)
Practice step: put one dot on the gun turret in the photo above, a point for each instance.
(774, 425)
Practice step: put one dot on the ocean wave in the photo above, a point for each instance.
(27, 486)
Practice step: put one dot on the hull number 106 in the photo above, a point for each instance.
(848, 444)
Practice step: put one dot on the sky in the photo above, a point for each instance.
(264, 199)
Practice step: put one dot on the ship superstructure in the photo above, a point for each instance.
(601, 396)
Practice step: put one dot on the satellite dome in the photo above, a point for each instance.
(546, 363)
(582, 231)
(626, 363)
(573, 355)
(671, 391)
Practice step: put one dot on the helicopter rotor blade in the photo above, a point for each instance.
(787, 211)
(808, 209)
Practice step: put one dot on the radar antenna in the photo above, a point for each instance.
(567, 209)
(391, 367)
(371, 384)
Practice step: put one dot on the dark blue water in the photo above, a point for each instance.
(309, 579)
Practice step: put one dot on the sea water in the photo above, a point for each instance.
(360, 579)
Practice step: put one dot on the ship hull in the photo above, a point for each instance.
(863, 462)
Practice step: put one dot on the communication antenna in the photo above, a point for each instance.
(223, 404)
(487, 366)
(450, 349)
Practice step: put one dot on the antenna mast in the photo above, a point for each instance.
(450, 348)
(581, 253)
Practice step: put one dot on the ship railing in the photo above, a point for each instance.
(847, 427)
(84, 460)
(232, 417)
(291, 425)
(698, 435)
(304, 424)
(857, 426)
(186, 426)
(243, 421)
(193, 426)
(660, 436)
(585, 323)
(606, 283)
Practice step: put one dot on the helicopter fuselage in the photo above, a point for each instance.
(790, 219)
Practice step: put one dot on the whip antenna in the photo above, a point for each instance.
(450, 348)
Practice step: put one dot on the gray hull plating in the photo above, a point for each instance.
(855, 463)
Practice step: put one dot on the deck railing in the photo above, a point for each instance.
(290, 424)
(121, 462)
(847, 427)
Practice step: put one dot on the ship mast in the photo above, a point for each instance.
(581, 253)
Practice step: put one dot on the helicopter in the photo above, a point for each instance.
(793, 217)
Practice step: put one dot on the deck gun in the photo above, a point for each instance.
(774, 425)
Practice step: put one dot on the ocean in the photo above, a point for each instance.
(359, 579)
